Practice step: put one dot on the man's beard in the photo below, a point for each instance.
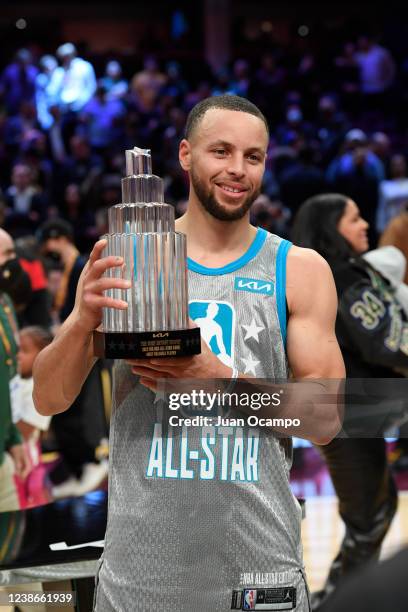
(217, 210)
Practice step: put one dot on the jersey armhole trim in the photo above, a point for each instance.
(281, 258)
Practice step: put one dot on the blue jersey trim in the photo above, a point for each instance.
(281, 285)
(252, 252)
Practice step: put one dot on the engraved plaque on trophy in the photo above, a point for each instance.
(141, 231)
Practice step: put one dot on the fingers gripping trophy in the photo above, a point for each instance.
(141, 231)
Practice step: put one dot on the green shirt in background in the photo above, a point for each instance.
(9, 434)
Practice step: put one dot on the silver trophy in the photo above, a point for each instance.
(141, 230)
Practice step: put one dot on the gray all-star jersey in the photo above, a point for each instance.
(202, 519)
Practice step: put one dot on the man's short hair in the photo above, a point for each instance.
(225, 102)
(55, 228)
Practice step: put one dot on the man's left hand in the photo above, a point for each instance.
(205, 365)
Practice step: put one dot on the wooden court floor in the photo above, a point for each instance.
(322, 531)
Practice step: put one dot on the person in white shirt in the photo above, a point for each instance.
(73, 83)
(31, 490)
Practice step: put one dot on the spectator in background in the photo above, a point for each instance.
(43, 97)
(37, 311)
(56, 238)
(393, 193)
(80, 216)
(308, 76)
(147, 83)
(294, 131)
(115, 85)
(274, 217)
(357, 172)
(82, 166)
(356, 140)
(195, 96)
(22, 277)
(301, 180)
(102, 121)
(71, 86)
(332, 225)
(174, 178)
(222, 83)
(380, 145)
(396, 234)
(240, 79)
(34, 153)
(32, 490)
(73, 83)
(13, 459)
(17, 82)
(19, 128)
(377, 71)
(175, 86)
(80, 431)
(14, 280)
(26, 205)
(267, 86)
(56, 140)
(331, 127)
(347, 78)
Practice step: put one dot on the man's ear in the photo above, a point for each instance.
(185, 154)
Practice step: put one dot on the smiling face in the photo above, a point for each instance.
(354, 228)
(225, 159)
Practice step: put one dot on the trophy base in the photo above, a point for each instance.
(147, 345)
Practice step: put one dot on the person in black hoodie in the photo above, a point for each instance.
(368, 316)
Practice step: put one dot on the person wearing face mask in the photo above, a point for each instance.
(13, 459)
(367, 314)
(22, 277)
(14, 280)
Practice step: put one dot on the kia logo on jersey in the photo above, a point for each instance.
(254, 285)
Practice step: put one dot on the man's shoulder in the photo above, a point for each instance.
(302, 260)
(308, 276)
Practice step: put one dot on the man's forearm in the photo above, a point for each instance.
(61, 369)
(317, 406)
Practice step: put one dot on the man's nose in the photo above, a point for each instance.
(236, 166)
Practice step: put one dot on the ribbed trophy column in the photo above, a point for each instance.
(141, 230)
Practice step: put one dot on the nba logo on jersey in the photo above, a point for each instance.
(216, 321)
(249, 599)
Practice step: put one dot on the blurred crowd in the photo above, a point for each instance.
(337, 123)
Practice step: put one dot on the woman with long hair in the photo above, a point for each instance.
(332, 225)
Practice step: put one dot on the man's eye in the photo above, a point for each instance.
(220, 151)
(254, 157)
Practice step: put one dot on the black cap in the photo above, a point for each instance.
(55, 228)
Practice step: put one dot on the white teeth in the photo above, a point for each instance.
(231, 189)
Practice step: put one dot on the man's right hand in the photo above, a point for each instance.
(90, 297)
